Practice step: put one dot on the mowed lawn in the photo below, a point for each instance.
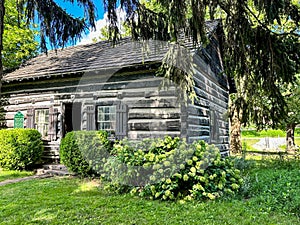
(9, 174)
(271, 195)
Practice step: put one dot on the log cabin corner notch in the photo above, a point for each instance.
(97, 86)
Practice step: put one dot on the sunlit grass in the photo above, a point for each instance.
(248, 143)
(297, 141)
(76, 201)
(12, 174)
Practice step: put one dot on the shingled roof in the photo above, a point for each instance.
(96, 56)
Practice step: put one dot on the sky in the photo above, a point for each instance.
(76, 11)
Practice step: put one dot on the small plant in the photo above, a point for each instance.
(20, 148)
(248, 143)
(242, 164)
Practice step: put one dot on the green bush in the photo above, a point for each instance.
(297, 132)
(134, 162)
(169, 169)
(272, 133)
(82, 151)
(250, 133)
(20, 148)
(263, 133)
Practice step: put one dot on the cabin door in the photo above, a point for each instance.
(71, 117)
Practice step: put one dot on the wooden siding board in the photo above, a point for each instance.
(154, 125)
(151, 134)
(154, 112)
(195, 120)
(183, 119)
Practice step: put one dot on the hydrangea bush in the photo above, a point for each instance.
(169, 169)
(165, 169)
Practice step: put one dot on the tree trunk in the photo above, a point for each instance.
(2, 12)
(290, 139)
(235, 134)
(235, 127)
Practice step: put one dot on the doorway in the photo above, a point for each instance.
(72, 117)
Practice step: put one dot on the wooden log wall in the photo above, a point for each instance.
(207, 117)
(150, 112)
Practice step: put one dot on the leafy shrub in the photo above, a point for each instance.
(263, 133)
(242, 164)
(81, 151)
(134, 162)
(272, 133)
(250, 133)
(20, 148)
(297, 132)
(170, 169)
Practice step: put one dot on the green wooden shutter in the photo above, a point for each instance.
(121, 121)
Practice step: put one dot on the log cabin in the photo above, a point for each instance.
(115, 88)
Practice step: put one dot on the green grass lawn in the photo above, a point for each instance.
(248, 143)
(271, 195)
(297, 141)
(8, 174)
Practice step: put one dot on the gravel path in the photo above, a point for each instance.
(2, 183)
(269, 143)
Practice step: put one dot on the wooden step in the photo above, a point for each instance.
(54, 169)
(51, 151)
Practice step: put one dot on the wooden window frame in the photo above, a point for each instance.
(111, 121)
(42, 126)
(121, 120)
(52, 121)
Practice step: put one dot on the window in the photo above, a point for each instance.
(41, 121)
(106, 118)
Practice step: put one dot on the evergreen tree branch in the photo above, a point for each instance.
(56, 23)
(292, 32)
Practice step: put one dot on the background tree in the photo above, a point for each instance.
(19, 42)
(260, 50)
(125, 31)
(54, 22)
(19, 45)
(292, 93)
